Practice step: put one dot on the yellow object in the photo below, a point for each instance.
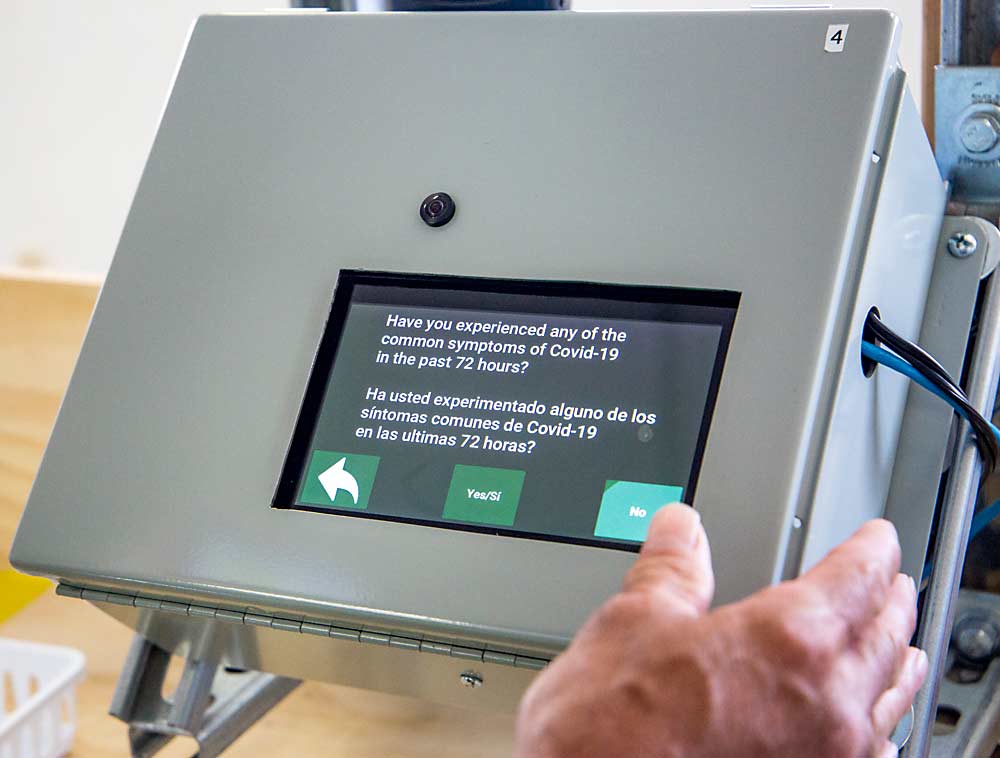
(17, 590)
(42, 321)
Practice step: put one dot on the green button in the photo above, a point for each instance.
(339, 480)
(483, 495)
(628, 507)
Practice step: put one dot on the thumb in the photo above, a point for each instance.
(675, 563)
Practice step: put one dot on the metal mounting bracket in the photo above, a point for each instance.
(969, 702)
(955, 520)
(967, 134)
(923, 438)
(213, 705)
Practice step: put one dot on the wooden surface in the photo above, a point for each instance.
(931, 54)
(41, 326)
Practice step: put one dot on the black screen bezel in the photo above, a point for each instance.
(617, 297)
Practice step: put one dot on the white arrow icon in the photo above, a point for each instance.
(336, 478)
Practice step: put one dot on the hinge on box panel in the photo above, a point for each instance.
(384, 637)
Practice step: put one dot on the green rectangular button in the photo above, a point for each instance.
(339, 480)
(628, 507)
(483, 495)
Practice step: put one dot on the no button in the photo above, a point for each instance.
(628, 507)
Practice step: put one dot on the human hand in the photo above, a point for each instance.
(818, 666)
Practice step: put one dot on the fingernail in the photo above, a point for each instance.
(916, 665)
(683, 522)
(920, 664)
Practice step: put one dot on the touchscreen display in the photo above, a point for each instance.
(559, 411)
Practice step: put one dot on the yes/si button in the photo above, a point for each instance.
(483, 495)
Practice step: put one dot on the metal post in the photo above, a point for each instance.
(956, 519)
(952, 20)
(970, 32)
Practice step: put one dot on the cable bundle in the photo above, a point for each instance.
(914, 362)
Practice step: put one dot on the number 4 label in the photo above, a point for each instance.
(836, 35)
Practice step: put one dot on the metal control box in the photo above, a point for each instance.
(750, 152)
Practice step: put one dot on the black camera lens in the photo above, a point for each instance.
(437, 209)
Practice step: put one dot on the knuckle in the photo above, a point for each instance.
(885, 648)
(792, 635)
(899, 639)
(624, 610)
(871, 572)
(804, 630)
(891, 535)
(677, 574)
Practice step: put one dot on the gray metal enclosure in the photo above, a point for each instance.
(705, 150)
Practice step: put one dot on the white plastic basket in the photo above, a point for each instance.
(37, 699)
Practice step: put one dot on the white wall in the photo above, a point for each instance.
(82, 85)
(81, 88)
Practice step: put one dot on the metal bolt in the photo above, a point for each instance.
(979, 133)
(976, 638)
(471, 678)
(962, 244)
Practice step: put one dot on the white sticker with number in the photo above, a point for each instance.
(836, 34)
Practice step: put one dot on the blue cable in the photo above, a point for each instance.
(873, 352)
(894, 362)
(979, 522)
(982, 519)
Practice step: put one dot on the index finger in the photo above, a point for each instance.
(857, 575)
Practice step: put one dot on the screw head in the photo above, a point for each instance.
(976, 638)
(979, 133)
(962, 245)
(471, 679)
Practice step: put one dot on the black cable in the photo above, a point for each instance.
(934, 372)
(915, 355)
(984, 437)
(986, 441)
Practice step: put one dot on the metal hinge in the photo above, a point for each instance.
(384, 637)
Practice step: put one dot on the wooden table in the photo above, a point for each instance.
(42, 322)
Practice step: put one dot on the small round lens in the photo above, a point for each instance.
(437, 209)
